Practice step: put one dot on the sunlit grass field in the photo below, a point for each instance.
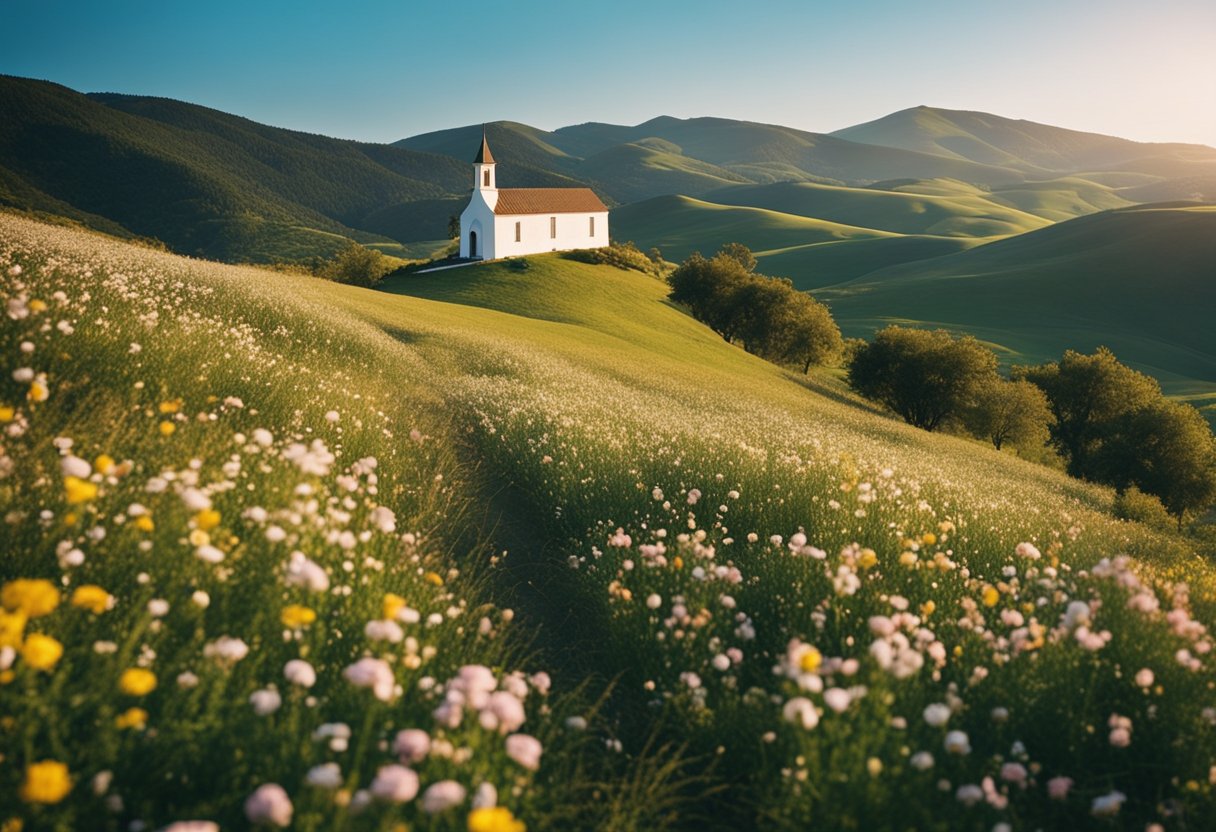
(498, 549)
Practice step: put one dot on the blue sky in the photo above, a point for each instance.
(380, 71)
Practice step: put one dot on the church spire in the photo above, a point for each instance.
(484, 156)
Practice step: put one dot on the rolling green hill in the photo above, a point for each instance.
(898, 211)
(202, 181)
(549, 469)
(1139, 280)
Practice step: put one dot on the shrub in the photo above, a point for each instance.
(357, 265)
(622, 255)
(1134, 504)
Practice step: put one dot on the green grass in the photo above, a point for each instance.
(555, 401)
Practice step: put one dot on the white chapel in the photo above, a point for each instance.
(506, 222)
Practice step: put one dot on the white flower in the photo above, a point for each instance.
(201, 599)
(412, 745)
(192, 826)
(485, 796)
(326, 776)
(265, 701)
(1107, 805)
(921, 761)
(226, 650)
(837, 699)
(187, 680)
(384, 519)
(332, 416)
(209, 553)
(937, 714)
(442, 796)
(270, 805)
(394, 784)
(195, 500)
(957, 743)
(380, 630)
(74, 466)
(969, 794)
(654, 601)
(1144, 677)
(1028, 550)
(801, 711)
(374, 674)
(300, 672)
(158, 607)
(525, 750)
(303, 572)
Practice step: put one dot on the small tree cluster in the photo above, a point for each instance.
(766, 315)
(1114, 426)
(357, 265)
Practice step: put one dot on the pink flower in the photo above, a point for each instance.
(525, 750)
(394, 784)
(374, 674)
(1058, 788)
(412, 745)
(269, 804)
(442, 796)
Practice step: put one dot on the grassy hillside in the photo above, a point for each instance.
(202, 181)
(1024, 145)
(902, 212)
(1137, 280)
(660, 510)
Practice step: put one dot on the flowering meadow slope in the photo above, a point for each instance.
(244, 580)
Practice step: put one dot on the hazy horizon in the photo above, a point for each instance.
(386, 73)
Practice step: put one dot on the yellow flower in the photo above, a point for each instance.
(927, 608)
(91, 597)
(907, 558)
(135, 718)
(7, 414)
(207, 519)
(677, 562)
(295, 616)
(494, 819)
(38, 392)
(78, 490)
(46, 782)
(12, 628)
(392, 605)
(12, 825)
(199, 538)
(41, 652)
(136, 681)
(144, 523)
(104, 464)
(34, 597)
(433, 578)
(167, 428)
(991, 596)
(171, 406)
(811, 660)
(37, 305)
(868, 559)
(928, 538)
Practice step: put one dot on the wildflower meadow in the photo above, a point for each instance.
(532, 549)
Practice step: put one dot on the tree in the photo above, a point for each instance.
(358, 266)
(1087, 393)
(811, 335)
(1013, 412)
(741, 254)
(708, 288)
(1165, 449)
(453, 227)
(925, 377)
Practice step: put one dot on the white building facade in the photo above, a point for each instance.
(510, 222)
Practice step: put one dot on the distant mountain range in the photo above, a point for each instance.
(208, 183)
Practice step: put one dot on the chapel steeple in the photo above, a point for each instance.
(483, 166)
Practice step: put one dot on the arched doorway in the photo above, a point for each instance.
(472, 244)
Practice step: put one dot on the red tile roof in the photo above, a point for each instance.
(547, 201)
